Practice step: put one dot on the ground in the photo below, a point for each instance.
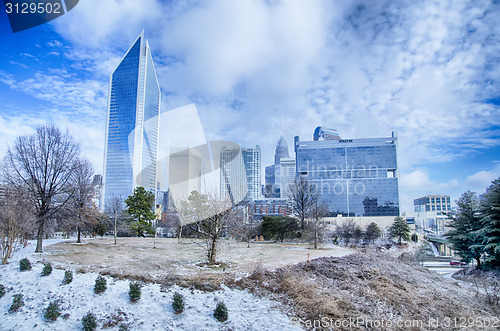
(267, 286)
(135, 258)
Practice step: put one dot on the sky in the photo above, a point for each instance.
(261, 69)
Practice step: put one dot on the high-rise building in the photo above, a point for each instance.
(433, 203)
(281, 150)
(131, 148)
(240, 176)
(185, 170)
(354, 177)
(285, 175)
(281, 173)
(252, 161)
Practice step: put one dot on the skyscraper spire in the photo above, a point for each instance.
(281, 150)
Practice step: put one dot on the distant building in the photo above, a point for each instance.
(440, 203)
(253, 165)
(97, 183)
(240, 176)
(286, 176)
(281, 150)
(185, 170)
(321, 133)
(131, 146)
(272, 207)
(355, 177)
(281, 173)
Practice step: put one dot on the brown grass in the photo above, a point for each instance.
(367, 285)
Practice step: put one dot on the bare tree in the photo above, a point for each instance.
(115, 211)
(82, 202)
(346, 231)
(212, 214)
(43, 163)
(317, 226)
(16, 220)
(242, 224)
(304, 197)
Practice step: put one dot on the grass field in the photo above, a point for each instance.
(137, 258)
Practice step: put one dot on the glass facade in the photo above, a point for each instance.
(240, 176)
(355, 177)
(433, 203)
(251, 159)
(131, 148)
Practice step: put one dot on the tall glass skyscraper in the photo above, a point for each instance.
(355, 177)
(240, 173)
(131, 149)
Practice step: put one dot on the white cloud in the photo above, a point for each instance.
(418, 183)
(479, 181)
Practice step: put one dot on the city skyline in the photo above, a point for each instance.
(260, 70)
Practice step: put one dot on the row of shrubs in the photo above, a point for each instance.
(53, 311)
(25, 265)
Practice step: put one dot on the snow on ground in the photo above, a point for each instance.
(152, 312)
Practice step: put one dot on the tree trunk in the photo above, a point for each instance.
(115, 230)
(78, 239)
(39, 238)
(212, 252)
(315, 237)
(478, 261)
(179, 237)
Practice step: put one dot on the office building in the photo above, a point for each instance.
(354, 177)
(439, 203)
(271, 207)
(131, 146)
(252, 162)
(240, 176)
(185, 170)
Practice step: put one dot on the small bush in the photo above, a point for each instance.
(52, 312)
(68, 277)
(24, 264)
(178, 303)
(2, 290)
(17, 303)
(220, 312)
(134, 292)
(100, 285)
(47, 269)
(89, 322)
(123, 327)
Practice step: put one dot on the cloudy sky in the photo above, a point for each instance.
(261, 69)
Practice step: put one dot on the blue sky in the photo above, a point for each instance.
(258, 70)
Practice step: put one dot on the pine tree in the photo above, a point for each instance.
(220, 312)
(140, 207)
(465, 239)
(490, 222)
(400, 229)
